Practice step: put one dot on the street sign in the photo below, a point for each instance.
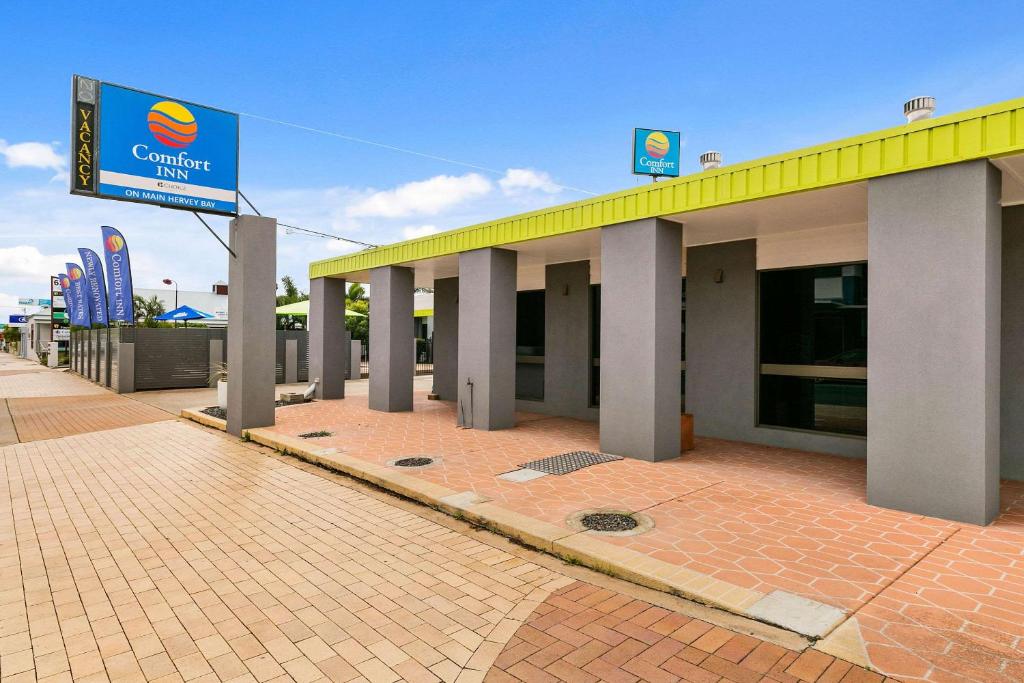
(26, 301)
(17, 319)
(137, 146)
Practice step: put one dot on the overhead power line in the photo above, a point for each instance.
(317, 233)
(403, 150)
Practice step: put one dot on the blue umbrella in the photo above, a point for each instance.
(185, 313)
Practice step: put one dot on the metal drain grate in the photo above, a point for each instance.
(570, 462)
(413, 462)
(609, 521)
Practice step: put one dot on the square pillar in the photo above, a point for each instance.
(641, 264)
(487, 339)
(566, 331)
(291, 361)
(328, 337)
(251, 321)
(355, 359)
(934, 251)
(392, 361)
(446, 338)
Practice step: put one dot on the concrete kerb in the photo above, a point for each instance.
(574, 547)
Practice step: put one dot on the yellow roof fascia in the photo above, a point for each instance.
(985, 132)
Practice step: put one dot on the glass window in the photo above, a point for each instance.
(530, 345)
(815, 316)
(813, 339)
(821, 404)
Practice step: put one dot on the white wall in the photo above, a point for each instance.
(207, 302)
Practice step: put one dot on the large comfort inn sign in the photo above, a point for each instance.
(137, 146)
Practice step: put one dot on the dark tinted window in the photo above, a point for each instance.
(829, 405)
(815, 316)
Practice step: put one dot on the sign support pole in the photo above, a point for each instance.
(252, 270)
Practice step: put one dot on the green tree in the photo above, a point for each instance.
(356, 292)
(359, 327)
(292, 294)
(146, 310)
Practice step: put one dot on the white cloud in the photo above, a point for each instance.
(422, 197)
(24, 261)
(520, 180)
(411, 232)
(33, 155)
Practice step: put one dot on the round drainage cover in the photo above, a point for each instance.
(413, 462)
(608, 521)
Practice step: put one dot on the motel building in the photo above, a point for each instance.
(864, 297)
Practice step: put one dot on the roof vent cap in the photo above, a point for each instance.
(919, 108)
(710, 160)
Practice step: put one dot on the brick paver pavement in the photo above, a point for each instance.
(55, 416)
(583, 633)
(163, 551)
(166, 550)
(927, 599)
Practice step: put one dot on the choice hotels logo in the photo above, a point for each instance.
(172, 124)
(114, 244)
(656, 145)
(76, 273)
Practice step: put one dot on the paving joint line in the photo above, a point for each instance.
(680, 496)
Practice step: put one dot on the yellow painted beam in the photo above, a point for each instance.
(986, 132)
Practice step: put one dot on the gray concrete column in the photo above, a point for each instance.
(1012, 389)
(291, 361)
(566, 340)
(934, 341)
(125, 368)
(355, 359)
(251, 321)
(392, 364)
(216, 357)
(487, 339)
(446, 338)
(328, 350)
(641, 263)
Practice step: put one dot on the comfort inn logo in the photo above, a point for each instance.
(76, 273)
(657, 144)
(172, 124)
(114, 244)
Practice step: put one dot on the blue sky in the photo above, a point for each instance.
(549, 89)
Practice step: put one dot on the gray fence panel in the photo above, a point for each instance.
(115, 341)
(168, 358)
(303, 374)
(279, 356)
(300, 336)
(104, 357)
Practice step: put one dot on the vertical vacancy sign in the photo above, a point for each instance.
(137, 146)
(83, 135)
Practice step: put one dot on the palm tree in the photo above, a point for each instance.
(356, 292)
(147, 309)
